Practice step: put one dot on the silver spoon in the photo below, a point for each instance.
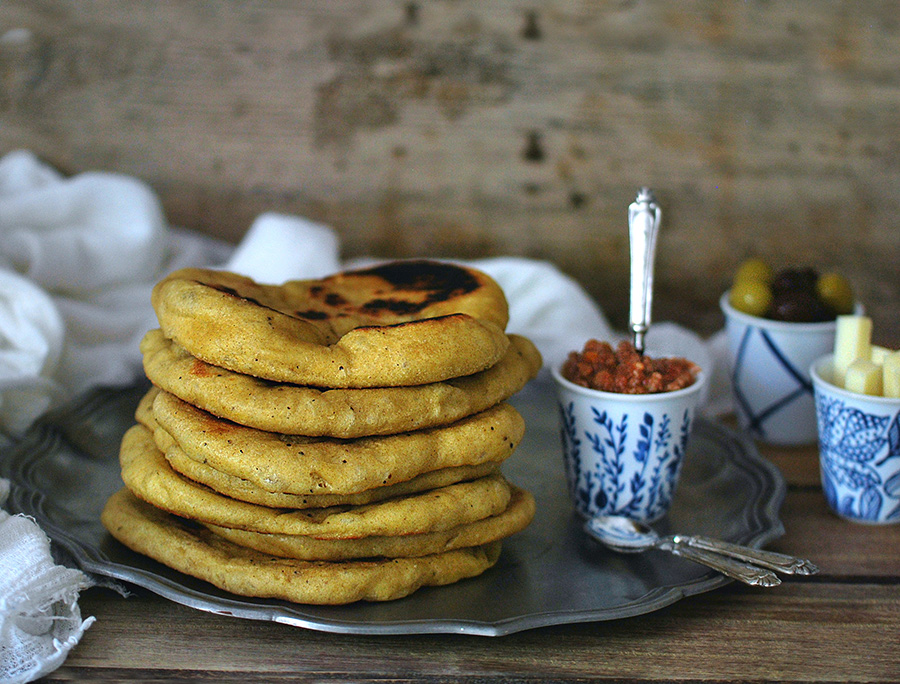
(749, 565)
(644, 217)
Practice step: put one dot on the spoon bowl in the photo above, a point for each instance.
(744, 563)
(622, 534)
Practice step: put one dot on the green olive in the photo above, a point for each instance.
(751, 296)
(836, 291)
(754, 269)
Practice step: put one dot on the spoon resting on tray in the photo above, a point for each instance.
(744, 563)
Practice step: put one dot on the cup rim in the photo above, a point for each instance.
(654, 397)
(815, 372)
(783, 326)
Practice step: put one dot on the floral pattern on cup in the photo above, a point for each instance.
(605, 484)
(854, 446)
(859, 449)
(623, 453)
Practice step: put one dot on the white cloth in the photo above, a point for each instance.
(78, 258)
(31, 341)
(77, 234)
(40, 621)
(278, 248)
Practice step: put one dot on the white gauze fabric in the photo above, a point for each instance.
(40, 621)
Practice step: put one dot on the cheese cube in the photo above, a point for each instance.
(879, 354)
(890, 369)
(852, 341)
(863, 377)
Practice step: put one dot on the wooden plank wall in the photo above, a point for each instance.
(468, 128)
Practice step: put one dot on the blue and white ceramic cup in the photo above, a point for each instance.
(769, 360)
(623, 452)
(859, 449)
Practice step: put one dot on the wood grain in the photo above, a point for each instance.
(803, 631)
(472, 129)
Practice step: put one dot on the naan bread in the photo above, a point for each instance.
(196, 551)
(149, 476)
(314, 465)
(242, 490)
(401, 323)
(343, 413)
(514, 519)
(246, 490)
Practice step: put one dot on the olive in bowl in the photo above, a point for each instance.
(793, 295)
(776, 325)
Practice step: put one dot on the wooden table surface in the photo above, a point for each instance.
(841, 625)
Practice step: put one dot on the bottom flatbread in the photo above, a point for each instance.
(195, 551)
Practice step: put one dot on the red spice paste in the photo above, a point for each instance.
(625, 371)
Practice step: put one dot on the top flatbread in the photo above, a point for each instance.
(402, 323)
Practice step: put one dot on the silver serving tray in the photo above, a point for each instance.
(67, 465)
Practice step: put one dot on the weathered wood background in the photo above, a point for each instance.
(467, 128)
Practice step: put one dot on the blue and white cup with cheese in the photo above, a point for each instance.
(623, 453)
(859, 449)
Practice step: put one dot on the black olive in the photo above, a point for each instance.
(795, 279)
(799, 306)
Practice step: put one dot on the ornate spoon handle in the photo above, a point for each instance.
(644, 216)
(749, 574)
(767, 559)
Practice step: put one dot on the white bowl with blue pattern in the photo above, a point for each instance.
(859, 449)
(623, 452)
(769, 363)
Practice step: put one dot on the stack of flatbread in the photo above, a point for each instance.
(326, 441)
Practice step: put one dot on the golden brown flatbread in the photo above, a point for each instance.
(514, 519)
(196, 551)
(315, 465)
(342, 413)
(144, 411)
(246, 490)
(400, 323)
(149, 476)
(242, 490)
